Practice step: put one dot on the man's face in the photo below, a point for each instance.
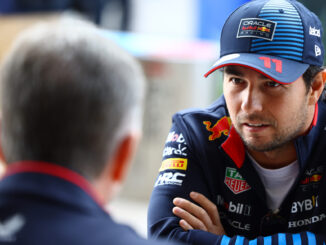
(267, 115)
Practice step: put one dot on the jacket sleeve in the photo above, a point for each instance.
(179, 174)
(303, 238)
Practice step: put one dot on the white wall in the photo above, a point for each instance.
(176, 18)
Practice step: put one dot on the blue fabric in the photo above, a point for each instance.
(44, 209)
(210, 165)
(311, 238)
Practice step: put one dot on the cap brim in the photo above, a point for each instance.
(278, 69)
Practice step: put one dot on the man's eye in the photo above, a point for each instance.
(236, 80)
(272, 84)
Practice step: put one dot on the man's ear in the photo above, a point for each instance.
(317, 87)
(2, 157)
(115, 171)
(123, 156)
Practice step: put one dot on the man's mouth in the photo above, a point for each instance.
(254, 124)
(255, 127)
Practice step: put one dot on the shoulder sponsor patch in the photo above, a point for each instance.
(170, 178)
(235, 182)
(175, 137)
(174, 163)
(181, 151)
(257, 28)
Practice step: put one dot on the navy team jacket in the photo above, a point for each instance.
(204, 153)
(42, 203)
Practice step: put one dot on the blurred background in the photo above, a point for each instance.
(176, 42)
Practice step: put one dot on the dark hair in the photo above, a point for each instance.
(310, 74)
(67, 97)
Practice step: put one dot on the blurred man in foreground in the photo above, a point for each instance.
(71, 118)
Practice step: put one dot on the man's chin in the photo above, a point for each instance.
(260, 146)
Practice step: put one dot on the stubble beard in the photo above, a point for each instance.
(281, 138)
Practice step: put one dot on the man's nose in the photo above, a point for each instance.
(252, 101)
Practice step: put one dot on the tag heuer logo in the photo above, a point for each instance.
(235, 182)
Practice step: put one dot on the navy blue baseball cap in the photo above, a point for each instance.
(278, 38)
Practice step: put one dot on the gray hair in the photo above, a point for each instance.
(68, 96)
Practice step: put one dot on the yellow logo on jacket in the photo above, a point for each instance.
(174, 163)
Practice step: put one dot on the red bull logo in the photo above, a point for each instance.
(264, 29)
(311, 179)
(221, 127)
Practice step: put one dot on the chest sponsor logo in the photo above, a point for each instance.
(239, 208)
(168, 151)
(170, 178)
(174, 163)
(236, 183)
(258, 28)
(174, 137)
(234, 207)
(239, 225)
(235, 223)
(307, 221)
(312, 179)
(305, 205)
(221, 127)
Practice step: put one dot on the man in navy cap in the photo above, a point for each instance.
(253, 162)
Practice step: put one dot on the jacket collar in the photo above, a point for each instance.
(45, 168)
